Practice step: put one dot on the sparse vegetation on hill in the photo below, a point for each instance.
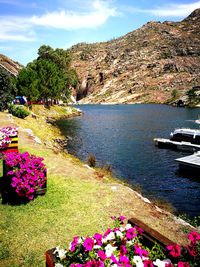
(155, 63)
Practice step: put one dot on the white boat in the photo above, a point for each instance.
(187, 135)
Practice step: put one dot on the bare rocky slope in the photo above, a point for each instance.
(156, 63)
(9, 65)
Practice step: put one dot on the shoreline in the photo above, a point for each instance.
(109, 195)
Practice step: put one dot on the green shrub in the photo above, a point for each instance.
(18, 111)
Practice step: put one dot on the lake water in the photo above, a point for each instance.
(122, 136)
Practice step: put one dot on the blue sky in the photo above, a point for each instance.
(25, 25)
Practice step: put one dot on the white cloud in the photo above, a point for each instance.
(15, 29)
(23, 28)
(169, 10)
(71, 20)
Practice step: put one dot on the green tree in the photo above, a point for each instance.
(27, 82)
(7, 89)
(52, 79)
(49, 76)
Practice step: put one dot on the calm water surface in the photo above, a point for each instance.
(122, 136)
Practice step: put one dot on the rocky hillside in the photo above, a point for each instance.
(157, 63)
(9, 65)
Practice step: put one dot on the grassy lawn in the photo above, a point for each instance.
(70, 207)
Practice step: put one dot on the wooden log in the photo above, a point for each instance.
(151, 236)
(50, 258)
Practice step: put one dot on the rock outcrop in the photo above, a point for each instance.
(152, 64)
(9, 65)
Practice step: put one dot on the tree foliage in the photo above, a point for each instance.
(7, 89)
(47, 77)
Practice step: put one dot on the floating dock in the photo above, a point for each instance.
(182, 146)
(190, 163)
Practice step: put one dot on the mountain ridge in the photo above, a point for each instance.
(11, 66)
(151, 64)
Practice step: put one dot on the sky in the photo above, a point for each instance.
(25, 25)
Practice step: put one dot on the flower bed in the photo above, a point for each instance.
(8, 140)
(122, 246)
(24, 177)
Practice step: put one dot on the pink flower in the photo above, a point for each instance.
(101, 254)
(94, 263)
(123, 250)
(140, 251)
(192, 251)
(107, 232)
(174, 250)
(124, 259)
(130, 234)
(139, 230)
(76, 265)
(74, 243)
(183, 264)
(98, 239)
(88, 244)
(194, 237)
(122, 218)
(114, 259)
(148, 263)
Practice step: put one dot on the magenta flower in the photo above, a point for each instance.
(194, 237)
(94, 263)
(183, 264)
(107, 232)
(98, 239)
(174, 250)
(27, 173)
(123, 250)
(124, 259)
(148, 263)
(192, 251)
(114, 259)
(88, 244)
(130, 234)
(141, 252)
(122, 218)
(101, 254)
(74, 243)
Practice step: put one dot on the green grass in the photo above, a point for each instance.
(70, 207)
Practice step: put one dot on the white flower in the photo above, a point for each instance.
(61, 252)
(119, 234)
(160, 263)
(130, 242)
(138, 261)
(109, 250)
(121, 229)
(110, 236)
(58, 265)
(128, 226)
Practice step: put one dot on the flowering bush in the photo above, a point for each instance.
(5, 136)
(122, 246)
(27, 173)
